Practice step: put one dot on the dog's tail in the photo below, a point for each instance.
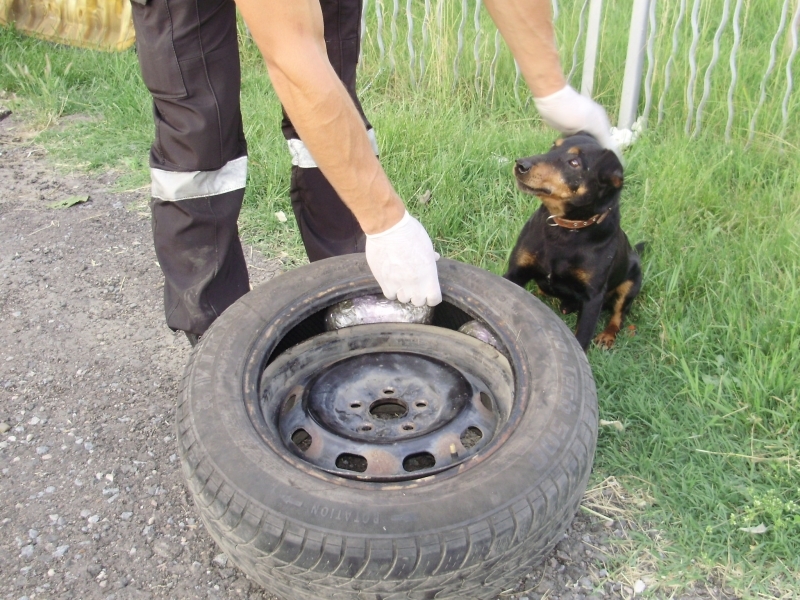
(640, 247)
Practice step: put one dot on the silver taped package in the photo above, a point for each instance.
(479, 331)
(375, 309)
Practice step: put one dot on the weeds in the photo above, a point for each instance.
(50, 88)
(768, 511)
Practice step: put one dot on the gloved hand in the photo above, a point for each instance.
(569, 112)
(404, 263)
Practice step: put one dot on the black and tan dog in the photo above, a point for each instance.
(573, 246)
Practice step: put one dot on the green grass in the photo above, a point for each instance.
(707, 388)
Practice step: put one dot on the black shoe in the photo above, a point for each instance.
(193, 338)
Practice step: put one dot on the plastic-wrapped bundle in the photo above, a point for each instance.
(375, 309)
(479, 331)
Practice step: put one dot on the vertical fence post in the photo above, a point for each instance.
(789, 77)
(772, 57)
(412, 58)
(578, 40)
(590, 52)
(671, 60)
(379, 31)
(426, 25)
(632, 82)
(476, 50)
(692, 65)
(737, 40)
(707, 81)
(651, 63)
(393, 29)
(363, 28)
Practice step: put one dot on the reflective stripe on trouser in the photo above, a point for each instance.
(327, 226)
(189, 56)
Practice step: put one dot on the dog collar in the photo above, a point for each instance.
(568, 224)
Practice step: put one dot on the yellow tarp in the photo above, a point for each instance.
(97, 24)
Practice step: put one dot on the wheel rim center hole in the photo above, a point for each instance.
(388, 408)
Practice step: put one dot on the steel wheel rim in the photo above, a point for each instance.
(364, 414)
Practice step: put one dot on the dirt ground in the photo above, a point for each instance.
(92, 500)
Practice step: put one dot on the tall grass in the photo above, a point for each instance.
(478, 64)
(707, 388)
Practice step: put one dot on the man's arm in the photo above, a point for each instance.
(527, 27)
(290, 37)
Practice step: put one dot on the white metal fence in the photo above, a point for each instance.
(659, 61)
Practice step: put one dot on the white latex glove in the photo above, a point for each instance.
(569, 112)
(404, 263)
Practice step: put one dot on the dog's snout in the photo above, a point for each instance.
(523, 165)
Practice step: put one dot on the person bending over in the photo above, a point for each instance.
(342, 198)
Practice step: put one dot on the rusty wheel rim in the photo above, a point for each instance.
(376, 415)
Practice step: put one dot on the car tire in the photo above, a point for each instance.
(470, 531)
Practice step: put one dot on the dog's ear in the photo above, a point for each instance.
(609, 169)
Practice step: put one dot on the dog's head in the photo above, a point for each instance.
(577, 172)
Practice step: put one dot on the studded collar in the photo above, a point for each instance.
(554, 221)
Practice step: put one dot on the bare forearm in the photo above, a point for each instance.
(332, 130)
(321, 109)
(527, 28)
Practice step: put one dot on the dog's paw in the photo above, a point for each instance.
(606, 339)
(568, 309)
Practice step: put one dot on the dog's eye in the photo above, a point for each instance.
(575, 163)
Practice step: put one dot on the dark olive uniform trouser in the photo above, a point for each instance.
(189, 56)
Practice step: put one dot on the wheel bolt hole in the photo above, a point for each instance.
(470, 437)
(289, 404)
(367, 427)
(351, 462)
(486, 400)
(419, 461)
(421, 404)
(408, 427)
(388, 408)
(388, 391)
(302, 439)
(355, 405)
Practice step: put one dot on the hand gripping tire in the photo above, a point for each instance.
(468, 524)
